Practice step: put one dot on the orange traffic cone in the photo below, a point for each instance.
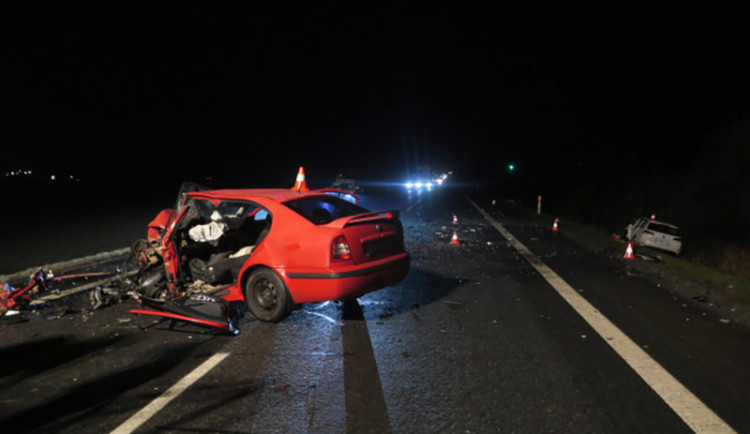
(454, 240)
(629, 252)
(300, 184)
(653, 217)
(555, 227)
(455, 219)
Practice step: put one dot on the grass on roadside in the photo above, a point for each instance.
(726, 286)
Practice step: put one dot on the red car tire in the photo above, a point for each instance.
(266, 295)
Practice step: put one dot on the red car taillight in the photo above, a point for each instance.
(340, 249)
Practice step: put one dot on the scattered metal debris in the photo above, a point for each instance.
(701, 298)
(453, 304)
(652, 258)
(12, 299)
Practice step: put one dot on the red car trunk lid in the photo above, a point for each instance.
(373, 236)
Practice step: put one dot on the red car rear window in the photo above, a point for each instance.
(324, 208)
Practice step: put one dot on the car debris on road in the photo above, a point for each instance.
(40, 290)
(13, 299)
(200, 309)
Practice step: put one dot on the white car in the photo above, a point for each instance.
(347, 184)
(659, 235)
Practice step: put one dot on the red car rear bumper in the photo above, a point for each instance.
(334, 284)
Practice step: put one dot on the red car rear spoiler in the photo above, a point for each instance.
(365, 218)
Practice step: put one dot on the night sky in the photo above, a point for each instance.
(247, 94)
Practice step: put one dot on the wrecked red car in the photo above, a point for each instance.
(272, 248)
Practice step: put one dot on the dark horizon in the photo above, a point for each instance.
(591, 102)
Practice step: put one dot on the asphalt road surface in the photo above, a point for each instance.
(514, 329)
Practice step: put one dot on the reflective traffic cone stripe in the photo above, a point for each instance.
(454, 240)
(555, 227)
(629, 252)
(455, 219)
(300, 184)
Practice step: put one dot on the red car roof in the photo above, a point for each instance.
(277, 194)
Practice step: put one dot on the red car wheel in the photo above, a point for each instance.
(266, 295)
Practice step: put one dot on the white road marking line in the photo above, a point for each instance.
(173, 392)
(688, 407)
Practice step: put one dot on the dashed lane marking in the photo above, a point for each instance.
(688, 407)
(173, 392)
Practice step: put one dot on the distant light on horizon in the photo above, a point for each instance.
(27, 175)
(18, 172)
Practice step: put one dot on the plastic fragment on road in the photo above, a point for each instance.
(453, 304)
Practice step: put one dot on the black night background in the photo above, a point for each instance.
(610, 111)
